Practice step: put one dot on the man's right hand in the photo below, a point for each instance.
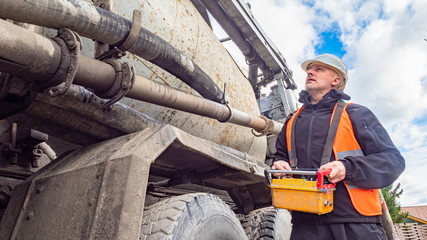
(280, 165)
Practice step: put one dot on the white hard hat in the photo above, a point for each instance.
(331, 61)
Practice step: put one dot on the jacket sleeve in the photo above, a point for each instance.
(281, 146)
(382, 163)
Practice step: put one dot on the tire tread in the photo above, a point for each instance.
(260, 223)
(161, 218)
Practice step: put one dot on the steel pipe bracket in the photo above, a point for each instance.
(231, 113)
(120, 51)
(134, 31)
(123, 82)
(70, 44)
(269, 126)
(226, 102)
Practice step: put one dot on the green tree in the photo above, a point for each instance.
(390, 197)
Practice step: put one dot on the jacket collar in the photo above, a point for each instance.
(328, 100)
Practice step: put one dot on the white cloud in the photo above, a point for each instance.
(390, 61)
(412, 180)
(387, 58)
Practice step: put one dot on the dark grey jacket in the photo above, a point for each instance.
(380, 167)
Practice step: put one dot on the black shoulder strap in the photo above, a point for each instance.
(327, 149)
(293, 153)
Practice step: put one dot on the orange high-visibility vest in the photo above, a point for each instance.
(365, 201)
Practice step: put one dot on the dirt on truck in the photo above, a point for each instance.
(129, 119)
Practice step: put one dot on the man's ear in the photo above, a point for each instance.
(336, 82)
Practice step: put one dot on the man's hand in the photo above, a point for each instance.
(280, 165)
(338, 171)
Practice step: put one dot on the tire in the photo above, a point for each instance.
(196, 216)
(268, 223)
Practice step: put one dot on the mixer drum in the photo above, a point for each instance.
(180, 24)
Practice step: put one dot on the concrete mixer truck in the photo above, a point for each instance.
(129, 119)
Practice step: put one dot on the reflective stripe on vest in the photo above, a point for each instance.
(365, 201)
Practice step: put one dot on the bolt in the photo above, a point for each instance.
(30, 215)
(39, 190)
(326, 203)
(71, 44)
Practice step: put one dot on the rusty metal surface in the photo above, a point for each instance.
(98, 192)
(179, 23)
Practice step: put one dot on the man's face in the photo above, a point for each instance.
(320, 79)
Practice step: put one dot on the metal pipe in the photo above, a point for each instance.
(102, 25)
(153, 92)
(12, 173)
(78, 119)
(47, 150)
(143, 89)
(253, 75)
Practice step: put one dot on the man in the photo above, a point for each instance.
(361, 156)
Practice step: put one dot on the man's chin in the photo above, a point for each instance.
(309, 86)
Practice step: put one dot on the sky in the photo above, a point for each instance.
(383, 43)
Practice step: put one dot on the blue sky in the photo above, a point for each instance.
(330, 43)
(382, 43)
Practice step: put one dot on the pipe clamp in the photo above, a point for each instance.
(269, 126)
(123, 82)
(70, 44)
(119, 51)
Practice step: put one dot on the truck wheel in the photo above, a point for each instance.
(268, 223)
(196, 216)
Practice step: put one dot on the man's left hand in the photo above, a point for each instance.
(338, 171)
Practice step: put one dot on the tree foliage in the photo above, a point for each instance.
(390, 197)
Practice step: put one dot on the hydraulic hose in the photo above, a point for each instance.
(102, 25)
